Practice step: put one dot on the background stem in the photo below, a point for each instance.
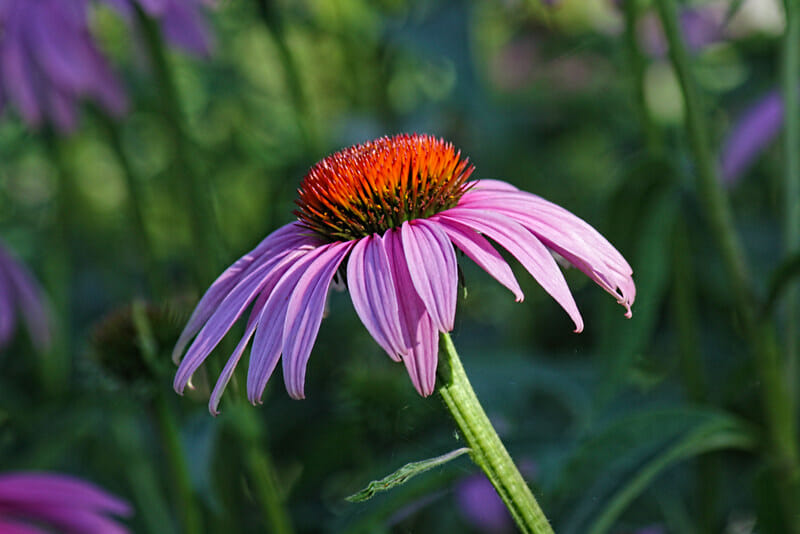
(637, 65)
(791, 154)
(781, 450)
(487, 451)
(198, 199)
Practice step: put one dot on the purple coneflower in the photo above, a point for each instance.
(48, 61)
(19, 291)
(182, 21)
(38, 503)
(395, 208)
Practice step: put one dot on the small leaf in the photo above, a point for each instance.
(402, 475)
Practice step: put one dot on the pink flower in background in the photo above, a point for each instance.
(41, 503)
(49, 61)
(752, 133)
(19, 292)
(182, 21)
(395, 209)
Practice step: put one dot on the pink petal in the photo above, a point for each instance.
(566, 234)
(267, 343)
(432, 265)
(524, 246)
(416, 326)
(263, 273)
(288, 236)
(304, 315)
(484, 254)
(233, 360)
(496, 185)
(369, 280)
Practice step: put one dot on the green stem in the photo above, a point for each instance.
(637, 65)
(207, 243)
(791, 154)
(178, 464)
(716, 203)
(136, 205)
(488, 452)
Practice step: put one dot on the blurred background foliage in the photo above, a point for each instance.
(652, 422)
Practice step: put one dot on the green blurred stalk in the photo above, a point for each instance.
(167, 425)
(262, 472)
(200, 206)
(685, 315)
(54, 364)
(637, 65)
(782, 453)
(272, 20)
(179, 467)
(487, 451)
(791, 153)
(150, 504)
(136, 205)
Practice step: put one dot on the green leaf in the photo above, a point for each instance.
(716, 434)
(617, 462)
(402, 475)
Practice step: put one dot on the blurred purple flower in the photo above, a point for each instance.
(700, 26)
(41, 503)
(182, 21)
(755, 129)
(395, 208)
(48, 61)
(19, 290)
(481, 506)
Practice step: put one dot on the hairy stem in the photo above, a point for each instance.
(487, 451)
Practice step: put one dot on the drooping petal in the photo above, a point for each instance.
(268, 340)
(233, 360)
(416, 326)
(185, 26)
(432, 265)
(18, 76)
(288, 236)
(304, 315)
(52, 489)
(230, 309)
(9, 526)
(28, 297)
(524, 246)
(566, 234)
(372, 290)
(484, 254)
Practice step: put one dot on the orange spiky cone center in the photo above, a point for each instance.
(367, 189)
